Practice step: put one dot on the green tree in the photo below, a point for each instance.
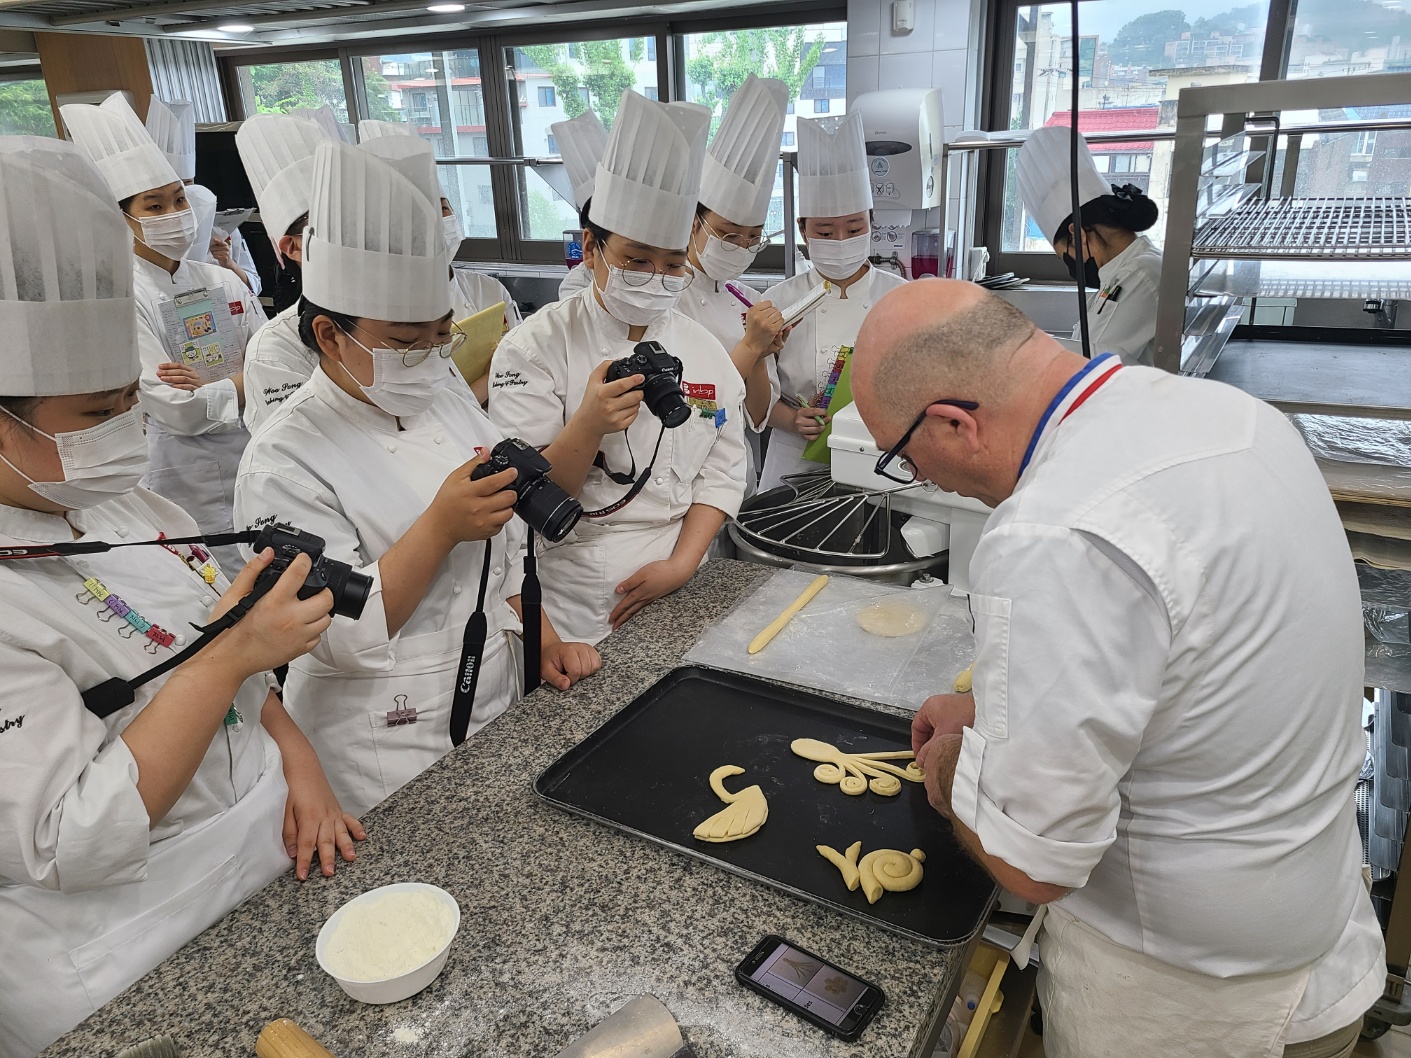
(1228, 23)
(724, 60)
(596, 66)
(24, 109)
(544, 219)
(1142, 41)
(278, 88)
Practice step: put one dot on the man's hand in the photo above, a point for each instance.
(652, 581)
(179, 376)
(942, 714)
(937, 758)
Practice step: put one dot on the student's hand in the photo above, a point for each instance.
(807, 424)
(778, 343)
(179, 376)
(466, 509)
(763, 323)
(220, 249)
(314, 820)
(609, 407)
(280, 627)
(652, 581)
(942, 714)
(563, 664)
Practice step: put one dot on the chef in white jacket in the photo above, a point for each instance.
(194, 431)
(374, 454)
(1122, 269)
(547, 386)
(835, 205)
(581, 143)
(1164, 740)
(123, 832)
(737, 180)
(278, 154)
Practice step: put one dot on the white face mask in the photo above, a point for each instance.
(401, 390)
(451, 229)
(100, 463)
(839, 258)
(721, 261)
(171, 235)
(636, 306)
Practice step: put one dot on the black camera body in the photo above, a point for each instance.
(546, 508)
(661, 390)
(350, 590)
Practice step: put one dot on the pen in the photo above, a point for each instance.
(805, 404)
(739, 295)
(1107, 296)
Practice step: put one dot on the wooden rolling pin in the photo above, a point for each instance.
(284, 1039)
(762, 640)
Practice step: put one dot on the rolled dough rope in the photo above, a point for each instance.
(892, 618)
(744, 814)
(963, 682)
(851, 772)
(890, 870)
(845, 863)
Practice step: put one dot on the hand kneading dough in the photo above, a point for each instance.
(891, 617)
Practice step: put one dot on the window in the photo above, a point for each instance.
(553, 144)
(24, 108)
(810, 59)
(546, 96)
(1332, 38)
(1364, 145)
(282, 87)
(582, 75)
(651, 92)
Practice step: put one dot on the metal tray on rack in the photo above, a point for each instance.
(646, 772)
(1348, 229)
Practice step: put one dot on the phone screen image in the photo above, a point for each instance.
(810, 983)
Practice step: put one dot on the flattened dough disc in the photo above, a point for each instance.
(892, 618)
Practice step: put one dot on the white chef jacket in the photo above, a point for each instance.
(473, 292)
(343, 470)
(1167, 686)
(194, 438)
(578, 277)
(537, 381)
(240, 254)
(803, 365)
(90, 898)
(720, 312)
(1125, 322)
(276, 364)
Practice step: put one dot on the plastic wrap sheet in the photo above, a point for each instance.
(823, 647)
(1388, 666)
(1355, 439)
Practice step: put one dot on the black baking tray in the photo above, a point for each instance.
(646, 771)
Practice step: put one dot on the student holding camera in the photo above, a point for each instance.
(125, 829)
(657, 484)
(377, 454)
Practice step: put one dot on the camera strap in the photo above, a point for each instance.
(9, 553)
(531, 606)
(472, 654)
(638, 484)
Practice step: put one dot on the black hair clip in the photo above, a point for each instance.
(1127, 192)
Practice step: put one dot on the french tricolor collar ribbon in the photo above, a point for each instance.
(1070, 398)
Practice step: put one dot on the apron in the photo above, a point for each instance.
(1103, 1000)
(66, 954)
(835, 323)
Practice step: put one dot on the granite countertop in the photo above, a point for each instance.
(562, 920)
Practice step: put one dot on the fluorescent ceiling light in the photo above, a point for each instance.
(236, 27)
(446, 9)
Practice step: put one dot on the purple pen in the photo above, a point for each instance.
(739, 295)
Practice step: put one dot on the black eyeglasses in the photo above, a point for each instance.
(906, 470)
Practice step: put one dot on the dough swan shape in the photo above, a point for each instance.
(743, 814)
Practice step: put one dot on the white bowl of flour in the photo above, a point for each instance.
(389, 943)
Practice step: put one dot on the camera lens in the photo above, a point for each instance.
(350, 590)
(547, 509)
(662, 394)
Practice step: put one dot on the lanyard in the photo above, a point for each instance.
(1097, 371)
(600, 461)
(472, 654)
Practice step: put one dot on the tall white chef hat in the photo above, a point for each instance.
(278, 154)
(649, 181)
(738, 175)
(373, 247)
(173, 129)
(581, 142)
(370, 129)
(1044, 183)
(832, 161)
(68, 318)
(203, 208)
(325, 119)
(411, 156)
(119, 145)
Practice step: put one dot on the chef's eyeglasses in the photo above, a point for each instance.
(753, 244)
(905, 470)
(417, 352)
(638, 272)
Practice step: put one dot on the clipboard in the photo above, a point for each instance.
(838, 396)
(483, 331)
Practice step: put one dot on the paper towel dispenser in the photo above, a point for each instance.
(903, 132)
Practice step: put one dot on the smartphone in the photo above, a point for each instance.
(825, 995)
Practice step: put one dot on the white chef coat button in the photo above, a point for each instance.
(498, 570)
(121, 530)
(440, 439)
(179, 641)
(455, 589)
(391, 448)
(661, 481)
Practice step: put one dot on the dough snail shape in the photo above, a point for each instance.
(856, 773)
(882, 870)
(743, 814)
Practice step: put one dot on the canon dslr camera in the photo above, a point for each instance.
(350, 590)
(545, 508)
(661, 390)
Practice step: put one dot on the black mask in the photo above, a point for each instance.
(1090, 276)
